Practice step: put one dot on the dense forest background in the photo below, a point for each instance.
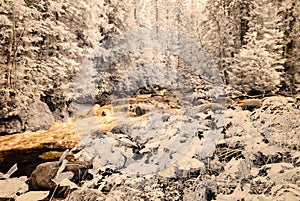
(254, 43)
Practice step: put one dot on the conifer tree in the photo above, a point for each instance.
(259, 64)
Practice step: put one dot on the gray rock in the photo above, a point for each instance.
(122, 129)
(37, 117)
(79, 168)
(165, 117)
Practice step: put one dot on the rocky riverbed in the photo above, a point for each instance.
(255, 158)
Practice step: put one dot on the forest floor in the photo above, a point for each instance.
(255, 158)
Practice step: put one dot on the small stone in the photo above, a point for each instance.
(165, 117)
(122, 129)
(251, 104)
(79, 168)
(139, 111)
(204, 108)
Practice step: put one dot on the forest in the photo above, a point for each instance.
(43, 43)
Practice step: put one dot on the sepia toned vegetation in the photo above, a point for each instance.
(54, 74)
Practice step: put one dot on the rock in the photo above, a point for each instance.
(204, 108)
(33, 195)
(139, 111)
(251, 104)
(41, 177)
(79, 169)
(275, 101)
(165, 117)
(12, 186)
(122, 129)
(37, 117)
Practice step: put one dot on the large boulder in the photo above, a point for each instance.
(41, 177)
(37, 117)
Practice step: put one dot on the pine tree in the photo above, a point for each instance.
(257, 68)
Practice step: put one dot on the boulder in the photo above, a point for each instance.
(41, 177)
(37, 117)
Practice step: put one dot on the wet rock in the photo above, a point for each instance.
(122, 129)
(251, 104)
(139, 111)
